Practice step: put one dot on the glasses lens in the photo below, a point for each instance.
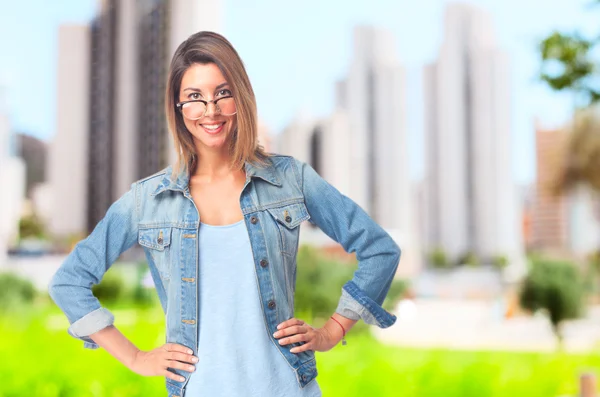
(226, 106)
(193, 110)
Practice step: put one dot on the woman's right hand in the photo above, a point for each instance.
(170, 355)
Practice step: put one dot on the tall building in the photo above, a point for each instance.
(372, 95)
(471, 197)
(549, 223)
(124, 56)
(361, 147)
(562, 222)
(68, 164)
(12, 173)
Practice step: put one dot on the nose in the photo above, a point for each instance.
(211, 109)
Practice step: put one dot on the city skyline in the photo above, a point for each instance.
(517, 32)
(471, 203)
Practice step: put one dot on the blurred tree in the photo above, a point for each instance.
(568, 64)
(500, 261)
(469, 258)
(31, 227)
(438, 259)
(15, 291)
(555, 287)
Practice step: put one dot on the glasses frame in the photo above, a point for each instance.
(214, 101)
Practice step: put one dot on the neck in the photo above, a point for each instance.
(212, 163)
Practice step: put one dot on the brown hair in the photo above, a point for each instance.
(209, 47)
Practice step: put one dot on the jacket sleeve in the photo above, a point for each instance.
(378, 255)
(70, 287)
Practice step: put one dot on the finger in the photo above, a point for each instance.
(294, 338)
(291, 321)
(173, 376)
(174, 347)
(180, 365)
(295, 329)
(302, 348)
(187, 358)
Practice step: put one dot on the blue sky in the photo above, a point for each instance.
(295, 51)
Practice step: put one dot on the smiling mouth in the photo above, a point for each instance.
(213, 128)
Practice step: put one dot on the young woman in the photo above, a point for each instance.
(220, 231)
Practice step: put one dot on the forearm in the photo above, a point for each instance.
(334, 329)
(117, 344)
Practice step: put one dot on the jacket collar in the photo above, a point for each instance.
(181, 182)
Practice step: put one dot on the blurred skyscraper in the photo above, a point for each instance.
(549, 215)
(562, 223)
(471, 197)
(12, 175)
(119, 133)
(361, 147)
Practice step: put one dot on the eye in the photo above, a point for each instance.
(224, 92)
(194, 95)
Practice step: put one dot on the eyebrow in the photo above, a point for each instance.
(200, 91)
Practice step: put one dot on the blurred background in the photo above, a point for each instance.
(469, 130)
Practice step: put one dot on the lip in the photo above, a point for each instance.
(213, 132)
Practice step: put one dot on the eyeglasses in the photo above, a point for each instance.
(196, 108)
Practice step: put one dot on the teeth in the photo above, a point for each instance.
(212, 127)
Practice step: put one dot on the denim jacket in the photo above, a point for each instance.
(160, 215)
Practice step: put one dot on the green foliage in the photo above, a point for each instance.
(567, 64)
(319, 285)
(469, 259)
(555, 287)
(319, 282)
(15, 292)
(500, 261)
(141, 295)
(111, 288)
(438, 258)
(31, 227)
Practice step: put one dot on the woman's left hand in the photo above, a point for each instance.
(296, 330)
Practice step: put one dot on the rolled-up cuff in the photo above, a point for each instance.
(91, 323)
(348, 307)
(355, 304)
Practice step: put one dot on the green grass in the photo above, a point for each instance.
(39, 358)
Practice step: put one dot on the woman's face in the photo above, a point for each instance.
(205, 81)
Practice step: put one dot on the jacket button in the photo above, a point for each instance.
(271, 304)
(304, 377)
(264, 263)
(288, 219)
(160, 240)
(253, 219)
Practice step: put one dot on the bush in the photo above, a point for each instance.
(468, 259)
(15, 291)
(110, 289)
(555, 287)
(319, 286)
(438, 259)
(500, 261)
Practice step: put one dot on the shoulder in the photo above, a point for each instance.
(158, 175)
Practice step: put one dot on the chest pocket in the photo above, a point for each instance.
(157, 242)
(288, 218)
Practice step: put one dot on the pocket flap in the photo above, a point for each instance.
(290, 215)
(155, 238)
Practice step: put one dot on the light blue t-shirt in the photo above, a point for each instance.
(237, 355)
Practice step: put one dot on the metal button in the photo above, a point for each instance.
(160, 240)
(264, 263)
(271, 304)
(304, 377)
(253, 219)
(288, 219)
